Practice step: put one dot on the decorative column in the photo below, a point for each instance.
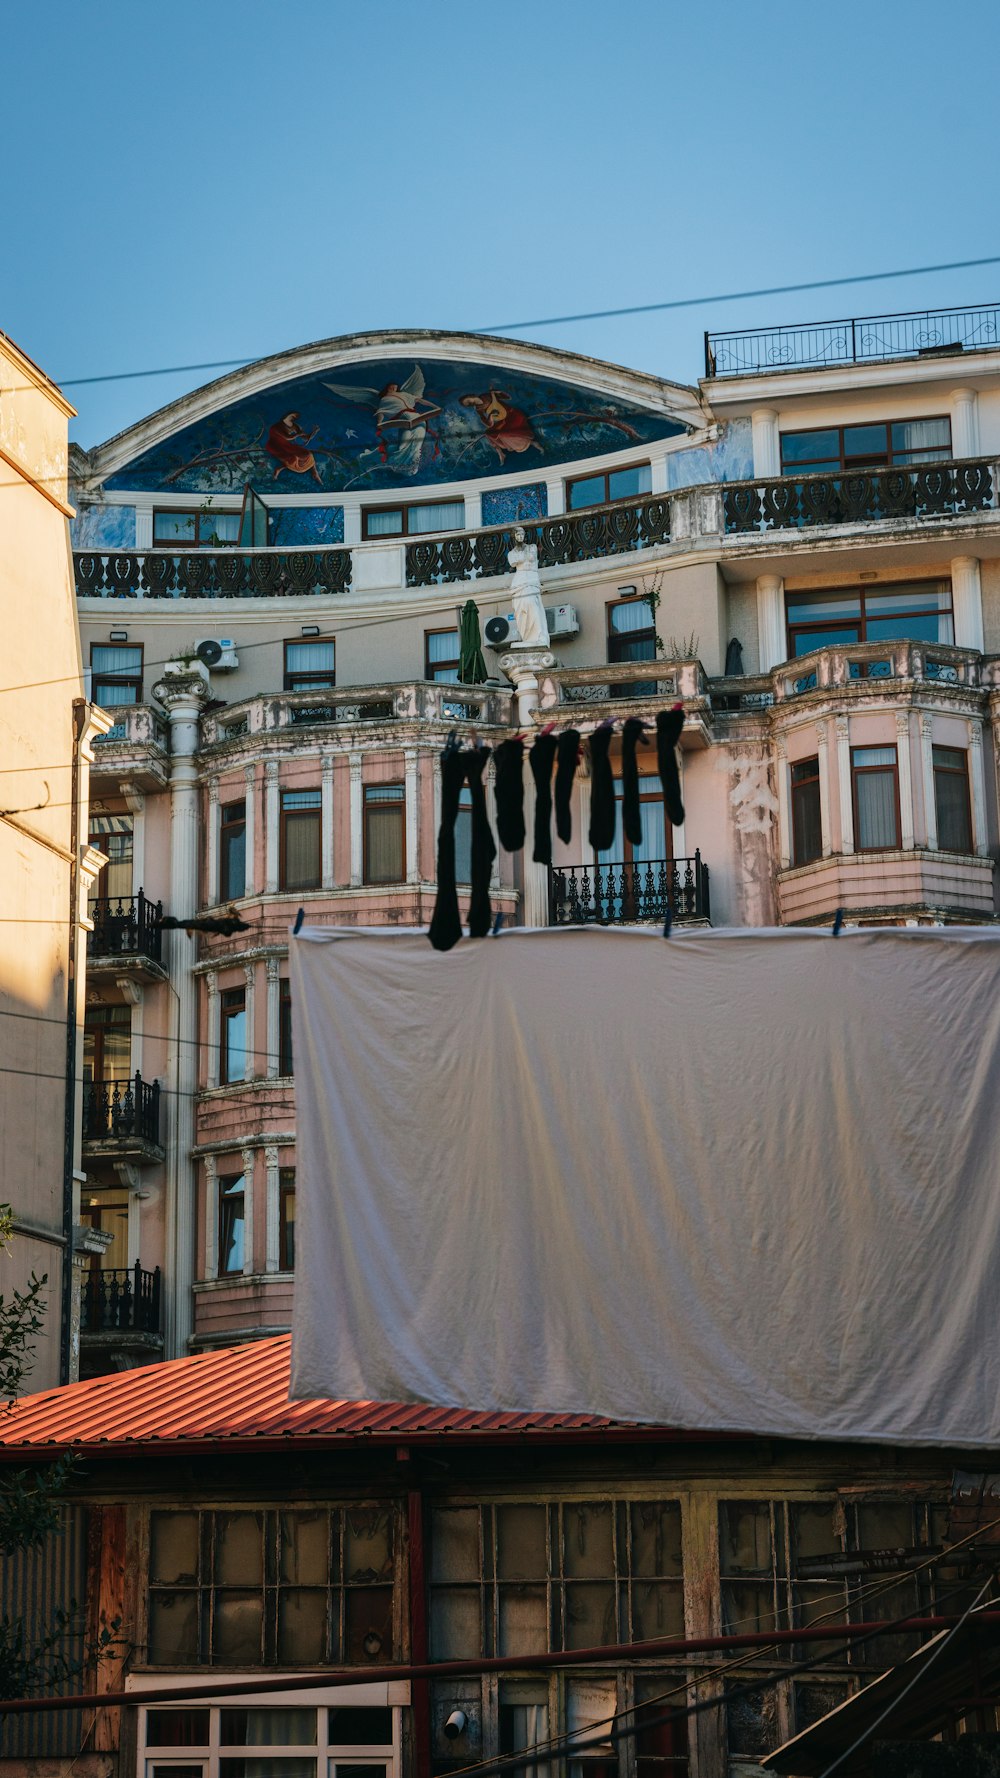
(272, 826)
(844, 784)
(766, 442)
(212, 847)
(905, 778)
(213, 1027)
(927, 781)
(555, 495)
(273, 1017)
(411, 814)
(250, 834)
(357, 821)
(967, 602)
(823, 753)
(784, 810)
(250, 1068)
(182, 695)
(326, 820)
(771, 621)
(964, 423)
(211, 1217)
(273, 1207)
(977, 786)
(523, 665)
(248, 1189)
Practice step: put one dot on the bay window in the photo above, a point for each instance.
(384, 833)
(301, 839)
(807, 836)
(875, 784)
(952, 802)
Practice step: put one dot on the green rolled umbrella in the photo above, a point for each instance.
(471, 665)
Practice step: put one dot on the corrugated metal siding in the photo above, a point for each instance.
(33, 1585)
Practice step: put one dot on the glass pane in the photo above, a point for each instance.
(951, 797)
(463, 841)
(267, 1766)
(383, 793)
(589, 492)
(635, 614)
(383, 845)
(657, 1609)
(173, 1629)
(876, 799)
(624, 482)
(808, 610)
(524, 1626)
(239, 1553)
(807, 831)
(384, 524)
(109, 695)
(753, 1721)
(117, 660)
(804, 641)
(174, 527)
(442, 645)
(234, 862)
(801, 447)
(745, 1537)
(231, 1227)
(950, 758)
(350, 1727)
(177, 1728)
(455, 1544)
(217, 528)
(864, 441)
(158, 1770)
(301, 799)
(917, 436)
(656, 1537)
(523, 1718)
(908, 598)
(302, 850)
(456, 1627)
(339, 1770)
(587, 1539)
(368, 1624)
(302, 1618)
(748, 1605)
(812, 1531)
(367, 1544)
(591, 1617)
(653, 844)
(917, 629)
(521, 1553)
(874, 756)
(234, 1037)
(310, 657)
(238, 1628)
(304, 1554)
(267, 1728)
(173, 1547)
(885, 1525)
(447, 516)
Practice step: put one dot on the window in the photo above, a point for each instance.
(951, 798)
(463, 837)
(285, 1741)
(656, 845)
(201, 529)
(310, 666)
(231, 1223)
(918, 610)
(441, 655)
(385, 848)
(286, 1219)
(285, 1027)
(233, 852)
(116, 676)
(233, 1036)
(524, 1578)
(107, 1043)
(301, 828)
(112, 835)
(632, 637)
(807, 834)
(272, 1588)
(877, 445)
(876, 798)
(412, 521)
(611, 484)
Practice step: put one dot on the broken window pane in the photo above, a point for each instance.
(524, 1720)
(657, 1610)
(239, 1553)
(304, 1555)
(812, 1531)
(456, 1629)
(884, 1525)
(591, 1618)
(656, 1537)
(368, 1624)
(745, 1537)
(173, 1629)
(591, 1706)
(748, 1607)
(660, 1747)
(301, 1626)
(753, 1722)
(455, 1544)
(367, 1544)
(524, 1626)
(173, 1547)
(815, 1700)
(587, 1539)
(238, 1628)
(521, 1552)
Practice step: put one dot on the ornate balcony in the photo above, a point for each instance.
(372, 707)
(121, 1119)
(126, 936)
(871, 339)
(638, 894)
(121, 1299)
(800, 502)
(866, 668)
(584, 536)
(136, 749)
(211, 574)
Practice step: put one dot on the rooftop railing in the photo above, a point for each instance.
(800, 502)
(869, 339)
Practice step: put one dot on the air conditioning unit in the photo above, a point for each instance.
(218, 653)
(562, 620)
(500, 632)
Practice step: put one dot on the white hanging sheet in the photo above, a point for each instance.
(730, 1181)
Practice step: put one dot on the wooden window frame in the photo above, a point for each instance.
(404, 507)
(648, 634)
(399, 803)
(862, 771)
(202, 520)
(954, 772)
(283, 815)
(286, 1189)
(222, 1181)
(858, 593)
(793, 788)
(227, 822)
(97, 1020)
(847, 466)
(103, 677)
(286, 1059)
(429, 665)
(306, 681)
(574, 481)
(232, 1001)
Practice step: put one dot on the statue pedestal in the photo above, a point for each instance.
(523, 663)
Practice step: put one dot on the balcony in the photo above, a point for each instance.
(583, 536)
(383, 707)
(121, 1119)
(869, 339)
(907, 496)
(120, 1317)
(136, 748)
(630, 894)
(212, 574)
(869, 669)
(126, 937)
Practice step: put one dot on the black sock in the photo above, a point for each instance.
(567, 754)
(632, 734)
(602, 792)
(446, 925)
(668, 732)
(509, 763)
(484, 848)
(540, 759)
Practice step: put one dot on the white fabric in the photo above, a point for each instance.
(729, 1181)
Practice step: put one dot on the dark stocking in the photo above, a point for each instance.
(540, 759)
(567, 754)
(484, 848)
(632, 734)
(446, 926)
(509, 762)
(602, 791)
(668, 732)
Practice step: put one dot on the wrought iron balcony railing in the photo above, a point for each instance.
(573, 537)
(939, 490)
(125, 926)
(211, 574)
(121, 1299)
(121, 1110)
(634, 894)
(869, 339)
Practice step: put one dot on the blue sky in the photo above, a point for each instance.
(213, 180)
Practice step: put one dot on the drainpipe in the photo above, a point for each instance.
(420, 1690)
(69, 1115)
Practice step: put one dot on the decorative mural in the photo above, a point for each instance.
(513, 506)
(728, 459)
(296, 526)
(103, 527)
(394, 424)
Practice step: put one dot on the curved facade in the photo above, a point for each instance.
(808, 558)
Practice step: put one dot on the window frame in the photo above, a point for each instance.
(293, 680)
(404, 508)
(794, 796)
(224, 1195)
(227, 827)
(864, 771)
(954, 772)
(103, 677)
(201, 519)
(384, 803)
(232, 1002)
(848, 466)
(315, 812)
(285, 1053)
(286, 1189)
(644, 635)
(430, 674)
(609, 499)
(858, 593)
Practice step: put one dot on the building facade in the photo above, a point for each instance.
(804, 550)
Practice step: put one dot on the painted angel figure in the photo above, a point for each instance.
(401, 417)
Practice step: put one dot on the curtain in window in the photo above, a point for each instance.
(384, 833)
(280, 1728)
(921, 441)
(448, 517)
(231, 1224)
(117, 662)
(636, 615)
(442, 645)
(310, 657)
(384, 524)
(876, 798)
(112, 835)
(302, 839)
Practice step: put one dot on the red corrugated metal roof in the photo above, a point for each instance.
(239, 1397)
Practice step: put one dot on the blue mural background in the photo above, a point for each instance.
(293, 526)
(514, 506)
(103, 527)
(391, 424)
(728, 459)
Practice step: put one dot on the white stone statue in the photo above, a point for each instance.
(526, 593)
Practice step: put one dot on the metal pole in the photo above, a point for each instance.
(69, 1114)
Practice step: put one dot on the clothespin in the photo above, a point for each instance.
(838, 921)
(498, 922)
(300, 916)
